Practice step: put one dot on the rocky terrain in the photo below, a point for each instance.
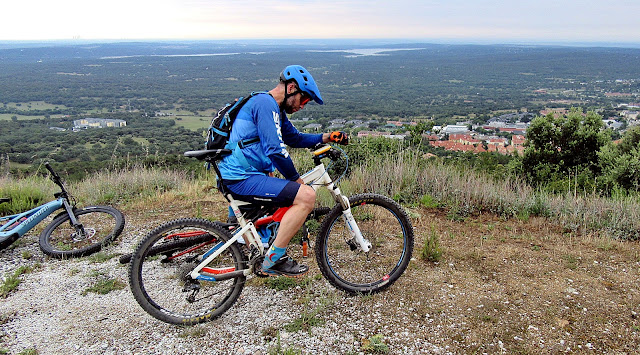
(498, 287)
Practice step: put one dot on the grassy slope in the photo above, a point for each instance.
(519, 284)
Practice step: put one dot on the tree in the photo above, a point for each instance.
(620, 164)
(418, 130)
(564, 150)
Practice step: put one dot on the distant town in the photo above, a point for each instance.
(503, 134)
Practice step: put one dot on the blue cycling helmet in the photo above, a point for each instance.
(304, 80)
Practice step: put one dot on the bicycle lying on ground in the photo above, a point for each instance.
(191, 270)
(75, 232)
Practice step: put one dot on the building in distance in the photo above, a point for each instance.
(85, 123)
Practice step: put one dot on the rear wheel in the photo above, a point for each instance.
(100, 225)
(385, 225)
(159, 272)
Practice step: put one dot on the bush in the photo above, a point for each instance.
(431, 251)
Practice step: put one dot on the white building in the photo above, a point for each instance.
(454, 129)
(85, 123)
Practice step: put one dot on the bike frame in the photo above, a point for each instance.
(29, 219)
(316, 178)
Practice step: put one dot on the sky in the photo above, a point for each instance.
(495, 21)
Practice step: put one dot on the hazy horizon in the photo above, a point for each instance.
(453, 21)
(356, 42)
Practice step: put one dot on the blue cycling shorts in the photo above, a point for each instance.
(262, 189)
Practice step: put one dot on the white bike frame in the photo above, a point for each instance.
(316, 178)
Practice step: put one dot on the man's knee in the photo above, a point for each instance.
(306, 197)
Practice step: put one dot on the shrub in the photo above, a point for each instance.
(431, 251)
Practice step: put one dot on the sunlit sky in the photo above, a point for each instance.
(458, 20)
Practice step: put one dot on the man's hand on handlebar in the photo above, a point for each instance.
(339, 137)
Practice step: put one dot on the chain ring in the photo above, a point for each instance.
(256, 264)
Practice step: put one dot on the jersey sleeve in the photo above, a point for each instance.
(285, 166)
(296, 139)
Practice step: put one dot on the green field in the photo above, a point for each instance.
(194, 123)
(34, 105)
(7, 117)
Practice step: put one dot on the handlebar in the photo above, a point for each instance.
(321, 151)
(54, 176)
(53, 173)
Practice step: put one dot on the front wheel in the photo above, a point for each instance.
(98, 226)
(385, 225)
(160, 268)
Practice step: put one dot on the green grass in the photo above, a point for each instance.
(12, 281)
(104, 286)
(306, 321)
(101, 257)
(34, 105)
(278, 349)
(464, 192)
(432, 183)
(25, 193)
(128, 185)
(284, 283)
(429, 201)
(375, 345)
(9, 116)
(194, 123)
(431, 250)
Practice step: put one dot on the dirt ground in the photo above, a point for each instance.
(525, 287)
(500, 286)
(513, 286)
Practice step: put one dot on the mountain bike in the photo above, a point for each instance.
(190, 270)
(74, 232)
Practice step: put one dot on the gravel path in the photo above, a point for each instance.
(51, 312)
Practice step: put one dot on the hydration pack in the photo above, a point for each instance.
(220, 128)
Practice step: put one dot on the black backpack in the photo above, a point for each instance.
(220, 128)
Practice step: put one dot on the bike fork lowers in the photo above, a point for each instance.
(354, 230)
(80, 233)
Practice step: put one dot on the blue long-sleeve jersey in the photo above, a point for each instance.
(261, 117)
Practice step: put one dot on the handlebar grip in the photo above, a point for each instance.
(319, 150)
(53, 173)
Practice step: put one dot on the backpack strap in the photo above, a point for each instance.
(247, 142)
(238, 146)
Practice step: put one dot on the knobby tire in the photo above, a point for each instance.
(102, 225)
(386, 225)
(159, 273)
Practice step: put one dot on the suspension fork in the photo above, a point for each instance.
(354, 230)
(73, 220)
(319, 177)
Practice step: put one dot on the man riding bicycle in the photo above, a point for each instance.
(262, 130)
